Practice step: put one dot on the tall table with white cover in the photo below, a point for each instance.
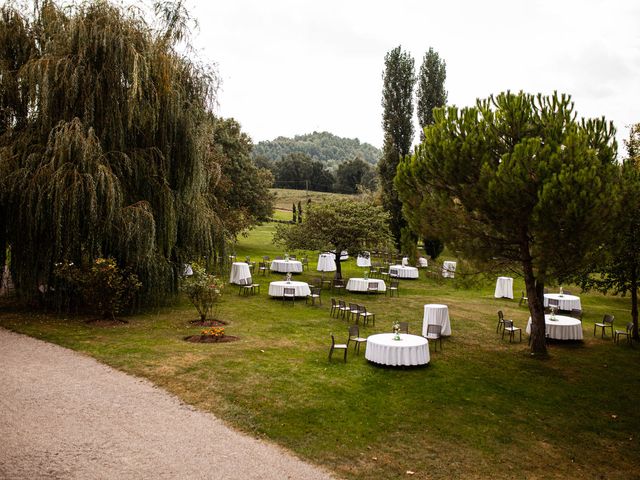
(362, 284)
(409, 350)
(286, 266)
(402, 271)
(448, 269)
(504, 287)
(327, 262)
(276, 289)
(239, 273)
(565, 302)
(562, 328)
(436, 314)
(364, 260)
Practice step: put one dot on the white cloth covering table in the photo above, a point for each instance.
(565, 302)
(436, 314)
(276, 289)
(239, 272)
(504, 287)
(327, 262)
(403, 271)
(364, 260)
(448, 269)
(409, 350)
(285, 266)
(422, 262)
(362, 284)
(562, 328)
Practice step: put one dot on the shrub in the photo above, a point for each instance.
(202, 289)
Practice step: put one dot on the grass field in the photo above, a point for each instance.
(285, 198)
(482, 408)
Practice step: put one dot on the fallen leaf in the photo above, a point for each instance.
(409, 472)
(375, 458)
(614, 416)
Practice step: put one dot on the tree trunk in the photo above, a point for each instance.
(338, 266)
(634, 307)
(535, 294)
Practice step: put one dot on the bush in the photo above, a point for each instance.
(204, 290)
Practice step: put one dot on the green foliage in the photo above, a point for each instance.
(299, 171)
(337, 225)
(397, 122)
(299, 211)
(106, 145)
(294, 219)
(431, 93)
(203, 290)
(355, 173)
(105, 288)
(324, 147)
(515, 179)
(433, 247)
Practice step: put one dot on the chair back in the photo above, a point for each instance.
(554, 303)
(566, 292)
(292, 257)
(404, 327)
(315, 290)
(576, 313)
(393, 272)
(354, 331)
(508, 324)
(354, 307)
(435, 329)
(372, 287)
(500, 315)
(395, 283)
(289, 292)
(278, 257)
(629, 328)
(342, 304)
(338, 282)
(247, 259)
(266, 258)
(608, 319)
(333, 340)
(334, 303)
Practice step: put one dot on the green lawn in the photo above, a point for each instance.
(482, 408)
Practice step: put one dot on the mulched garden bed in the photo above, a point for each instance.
(105, 322)
(210, 339)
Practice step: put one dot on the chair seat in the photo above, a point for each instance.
(340, 345)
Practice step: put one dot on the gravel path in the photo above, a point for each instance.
(64, 415)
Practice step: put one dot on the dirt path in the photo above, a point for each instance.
(64, 415)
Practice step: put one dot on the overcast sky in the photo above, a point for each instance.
(293, 67)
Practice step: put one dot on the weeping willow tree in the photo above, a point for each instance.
(105, 144)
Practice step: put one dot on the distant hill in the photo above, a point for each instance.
(322, 146)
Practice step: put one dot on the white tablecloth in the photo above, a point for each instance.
(448, 269)
(363, 261)
(563, 328)
(344, 255)
(422, 262)
(403, 272)
(504, 287)
(327, 262)
(565, 302)
(284, 266)
(276, 289)
(436, 314)
(361, 285)
(409, 350)
(239, 271)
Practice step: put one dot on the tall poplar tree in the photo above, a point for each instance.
(397, 123)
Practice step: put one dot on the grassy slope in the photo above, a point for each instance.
(482, 408)
(286, 197)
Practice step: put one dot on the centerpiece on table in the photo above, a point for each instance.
(288, 277)
(396, 331)
(286, 257)
(366, 275)
(552, 317)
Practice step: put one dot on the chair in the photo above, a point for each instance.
(278, 257)
(305, 263)
(367, 315)
(338, 284)
(245, 286)
(500, 325)
(393, 273)
(576, 313)
(266, 258)
(316, 282)
(254, 286)
(338, 346)
(315, 293)
(372, 287)
(434, 332)
(404, 327)
(566, 292)
(523, 299)
(334, 307)
(354, 310)
(289, 292)
(343, 310)
(374, 270)
(354, 336)
(607, 322)
(626, 332)
(394, 288)
(262, 268)
(508, 327)
(324, 281)
(384, 272)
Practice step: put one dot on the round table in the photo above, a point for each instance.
(436, 314)
(565, 302)
(239, 272)
(276, 289)
(409, 350)
(364, 260)
(403, 271)
(285, 266)
(562, 328)
(448, 269)
(504, 287)
(327, 262)
(362, 284)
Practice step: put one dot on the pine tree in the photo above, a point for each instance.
(431, 93)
